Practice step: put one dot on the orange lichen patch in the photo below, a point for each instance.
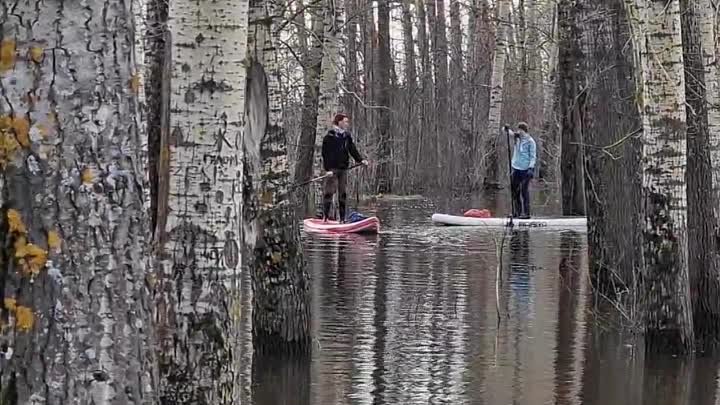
(20, 241)
(15, 222)
(87, 175)
(10, 304)
(135, 83)
(7, 55)
(5, 122)
(24, 318)
(36, 54)
(21, 126)
(8, 146)
(54, 241)
(31, 257)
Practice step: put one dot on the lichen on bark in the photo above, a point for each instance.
(74, 229)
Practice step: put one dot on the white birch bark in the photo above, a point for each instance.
(137, 83)
(494, 130)
(711, 49)
(197, 307)
(657, 43)
(74, 324)
(281, 318)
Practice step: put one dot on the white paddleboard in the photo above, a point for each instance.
(532, 223)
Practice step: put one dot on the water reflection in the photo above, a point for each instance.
(409, 317)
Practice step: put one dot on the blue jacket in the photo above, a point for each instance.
(524, 153)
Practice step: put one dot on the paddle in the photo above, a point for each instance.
(507, 134)
(324, 176)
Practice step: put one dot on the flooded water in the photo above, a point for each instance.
(409, 316)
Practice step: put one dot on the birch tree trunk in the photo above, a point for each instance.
(74, 315)
(308, 121)
(532, 79)
(198, 294)
(411, 81)
(479, 71)
(711, 51)
(411, 87)
(436, 22)
(459, 123)
(497, 79)
(426, 81)
(665, 290)
(547, 147)
(352, 69)
(697, 31)
(329, 99)
(281, 301)
(384, 175)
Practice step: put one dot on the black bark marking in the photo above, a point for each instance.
(231, 251)
(189, 97)
(211, 86)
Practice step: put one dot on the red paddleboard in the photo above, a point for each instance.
(367, 225)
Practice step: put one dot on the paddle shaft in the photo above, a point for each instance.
(320, 178)
(507, 134)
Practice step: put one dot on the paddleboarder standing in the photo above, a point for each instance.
(337, 147)
(523, 161)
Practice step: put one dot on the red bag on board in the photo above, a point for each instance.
(475, 213)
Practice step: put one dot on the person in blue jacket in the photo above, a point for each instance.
(524, 157)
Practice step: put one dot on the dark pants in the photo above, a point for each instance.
(520, 193)
(335, 184)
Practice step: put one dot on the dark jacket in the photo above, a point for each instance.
(336, 150)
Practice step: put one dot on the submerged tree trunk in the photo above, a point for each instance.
(74, 311)
(701, 211)
(384, 175)
(459, 121)
(547, 145)
(411, 76)
(308, 121)
(328, 101)
(426, 83)
(412, 96)
(281, 305)
(571, 99)
(711, 51)
(494, 134)
(611, 128)
(198, 295)
(665, 290)
(479, 70)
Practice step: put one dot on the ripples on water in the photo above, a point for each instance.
(409, 317)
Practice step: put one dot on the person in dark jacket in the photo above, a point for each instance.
(337, 147)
